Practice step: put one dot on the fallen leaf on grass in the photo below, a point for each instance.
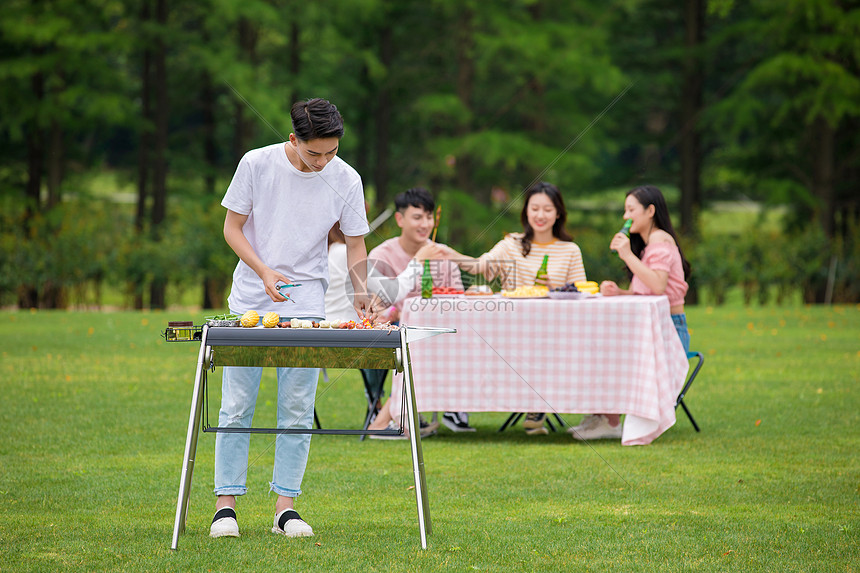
(757, 423)
(411, 487)
(318, 544)
(729, 551)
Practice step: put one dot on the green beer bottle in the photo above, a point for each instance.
(625, 230)
(426, 281)
(542, 276)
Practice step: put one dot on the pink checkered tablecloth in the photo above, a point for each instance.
(597, 355)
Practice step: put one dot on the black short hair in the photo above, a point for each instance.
(415, 197)
(316, 119)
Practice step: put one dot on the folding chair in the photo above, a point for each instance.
(374, 385)
(516, 416)
(680, 400)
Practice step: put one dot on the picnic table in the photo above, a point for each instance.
(616, 355)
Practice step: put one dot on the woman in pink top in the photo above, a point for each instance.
(656, 266)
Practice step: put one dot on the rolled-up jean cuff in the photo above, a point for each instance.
(231, 490)
(680, 322)
(284, 492)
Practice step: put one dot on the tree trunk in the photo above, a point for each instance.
(213, 286)
(247, 53)
(159, 183)
(363, 130)
(35, 150)
(28, 295)
(54, 295)
(537, 113)
(135, 286)
(383, 118)
(295, 58)
(691, 108)
(823, 151)
(465, 87)
(823, 144)
(55, 165)
(210, 146)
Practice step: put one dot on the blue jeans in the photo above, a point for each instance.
(239, 388)
(680, 322)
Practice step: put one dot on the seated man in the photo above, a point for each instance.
(415, 216)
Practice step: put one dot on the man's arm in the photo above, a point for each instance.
(356, 260)
(237, 240)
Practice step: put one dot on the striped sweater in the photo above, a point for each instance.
(506, 260)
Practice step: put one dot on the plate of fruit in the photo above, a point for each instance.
(447, 291)
(568, 292)
(536, 291)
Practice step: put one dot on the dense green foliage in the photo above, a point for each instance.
(156, 100)
(96, 408)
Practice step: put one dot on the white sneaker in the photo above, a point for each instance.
(534, 424)
(289, 523)
(595, 427)
(224, 523)
(457, 421)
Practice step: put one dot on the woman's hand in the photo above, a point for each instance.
(621, 244)
(446, 252)
(609, 288)
(429, 251)
(468, 264)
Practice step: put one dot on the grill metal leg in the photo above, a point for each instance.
(190, 444)
(421, 497)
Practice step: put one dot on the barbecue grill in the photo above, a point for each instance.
(304, 348)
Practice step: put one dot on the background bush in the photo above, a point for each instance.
(83, 248)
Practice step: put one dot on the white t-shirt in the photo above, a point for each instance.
(289, 216)
(338, 299)
(392, 290)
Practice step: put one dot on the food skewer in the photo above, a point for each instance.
(436, 224)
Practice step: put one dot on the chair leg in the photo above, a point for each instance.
(512, 419)
(680, 400)
(372, 408)
(689, 415)
(374, 387)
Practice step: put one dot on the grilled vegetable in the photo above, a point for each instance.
(250, 319)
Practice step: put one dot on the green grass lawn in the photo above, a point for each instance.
(95, 407)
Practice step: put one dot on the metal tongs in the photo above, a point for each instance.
(279, 287)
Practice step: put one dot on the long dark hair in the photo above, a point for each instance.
(558, 230)
(650, 195)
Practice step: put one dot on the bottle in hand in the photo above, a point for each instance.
(542, 276)
(625, 230)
